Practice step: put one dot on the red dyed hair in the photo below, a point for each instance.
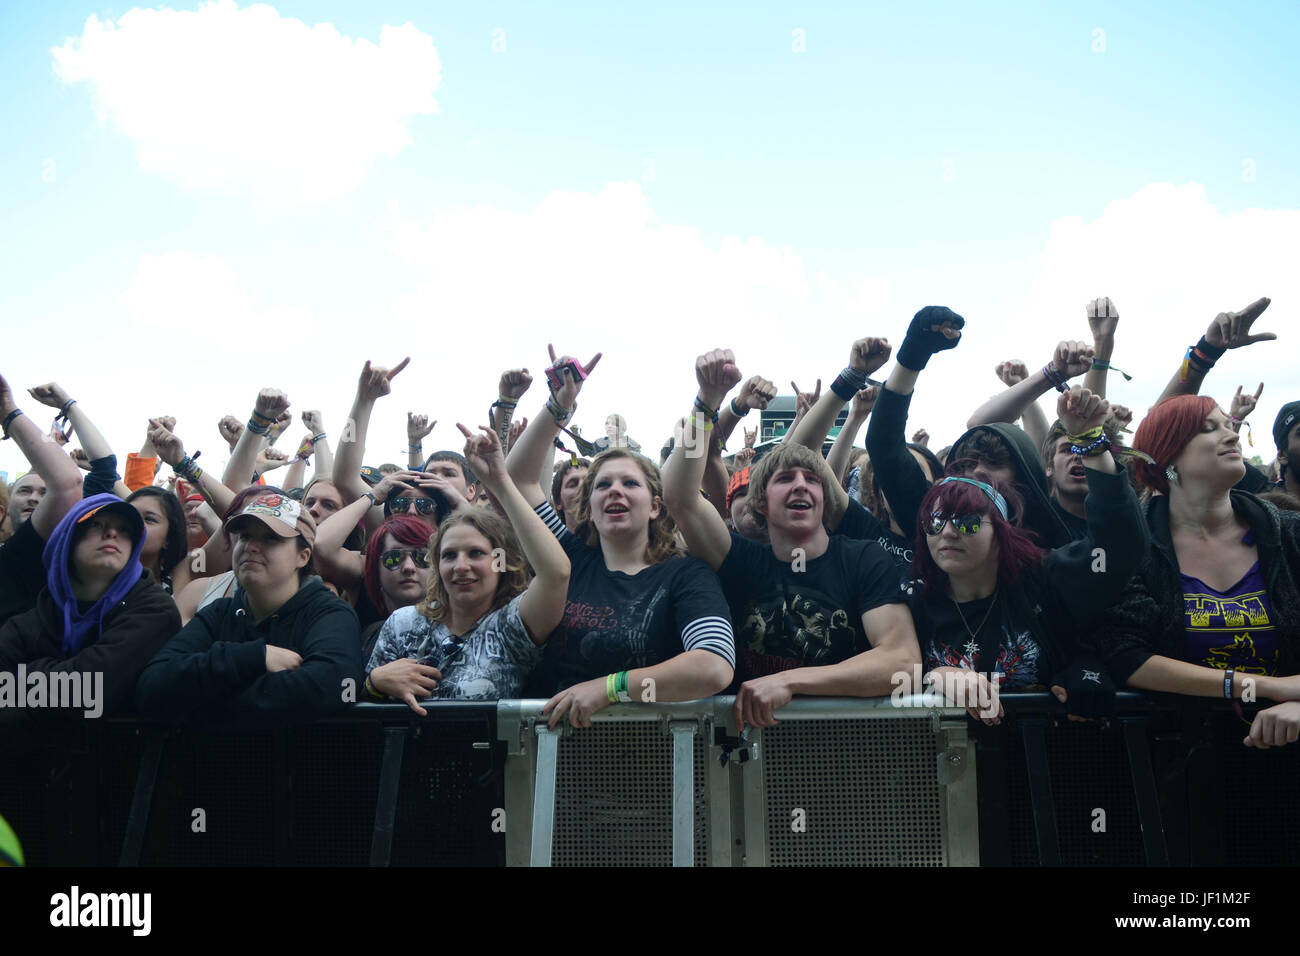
(1165, 432)
(1016, 549)
(410, 533)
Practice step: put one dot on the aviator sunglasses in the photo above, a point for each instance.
(392, 560)
(963, 524)
(424, 506)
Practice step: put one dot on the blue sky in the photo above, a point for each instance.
(904, 156)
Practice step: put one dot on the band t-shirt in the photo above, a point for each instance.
(804, 613)
(22, 571)
(944, 631)
(615, 621)
(1235, 628)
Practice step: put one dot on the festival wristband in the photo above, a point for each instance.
(621, 688)
(8, 420)
(1101, 365)
(712, 413)
(1055, 378)
(611, 693)
(849, 382)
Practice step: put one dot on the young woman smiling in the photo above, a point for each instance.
(1216, 609)
(643, 622)
(479, 630)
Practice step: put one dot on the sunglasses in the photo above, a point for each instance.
(392, 560)
(424, 506)
(963, 524)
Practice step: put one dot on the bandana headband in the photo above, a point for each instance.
(994, 497)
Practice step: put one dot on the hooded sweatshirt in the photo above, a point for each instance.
(904, 483)
(83, 623)
(213, 676)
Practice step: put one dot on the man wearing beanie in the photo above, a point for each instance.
(1286, 436)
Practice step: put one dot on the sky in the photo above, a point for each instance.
(206, 199)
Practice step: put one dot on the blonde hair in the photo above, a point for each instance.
(661, 543)
(784, 456)
(510, 583)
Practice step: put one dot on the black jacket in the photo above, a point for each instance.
(1061, 598)
(1150, 617)
(132, 633)
(213, 675)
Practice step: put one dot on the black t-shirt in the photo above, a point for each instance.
(1078, 527)
(1000, 643)
(858, 522)
(615, 621)
(790, 615)
(22, 571)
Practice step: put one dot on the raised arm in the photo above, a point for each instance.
(707, 537)
(933, 329)
(842, 447)
(47, 458)
(323, 458)
(418, 428)
(374, 383)
(93, 442)
(803, 404)
(1103, 319)
(1229, 330)
(542, 605)
(535, 447)
(1070, 359)
(270, 404)
(755, 393)
(511, 387)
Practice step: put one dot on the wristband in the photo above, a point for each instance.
(561, 415)
(8, 419)
(370, 689)
(1097, 447)
(1055, 378)
(255, 427)
(416, 448)
(738, 412)
(1101, 365)
(373, 500)
(1212, 353)
(188, 469)
(701, 424)
(1084, 437)
(1227, 683)
(63, 412)
(620, 688)
(712, 413)
(316, 438)
(849, 382)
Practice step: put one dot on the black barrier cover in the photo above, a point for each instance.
(1170, 777)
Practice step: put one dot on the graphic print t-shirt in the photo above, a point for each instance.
(789, 614)
(488, 663)
(1234, 628)
(615, 621)
(946, 642)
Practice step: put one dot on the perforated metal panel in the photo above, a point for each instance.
(613, 797)
(867, 788)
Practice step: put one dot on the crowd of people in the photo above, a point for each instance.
(1071, 556)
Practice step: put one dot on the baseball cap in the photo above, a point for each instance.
(281, 514)
(124, 511)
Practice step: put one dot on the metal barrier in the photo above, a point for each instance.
(836, 782)
(858, 782)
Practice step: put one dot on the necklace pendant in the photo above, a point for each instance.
(971, 649)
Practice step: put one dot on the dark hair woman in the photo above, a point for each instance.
(166, 542)
(991, 601)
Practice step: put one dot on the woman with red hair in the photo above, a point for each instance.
(397, 571)
(1215, 611)
(992, 602)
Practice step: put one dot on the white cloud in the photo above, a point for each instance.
(1171, 262)
(248, 101)
(602, 273)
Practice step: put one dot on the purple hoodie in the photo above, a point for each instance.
(77, 624)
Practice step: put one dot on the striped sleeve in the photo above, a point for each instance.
(711, 634)
(551, 518)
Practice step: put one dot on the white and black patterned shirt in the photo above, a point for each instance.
(488, 663)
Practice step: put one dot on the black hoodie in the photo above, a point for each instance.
(904, 484)
(212, 675)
